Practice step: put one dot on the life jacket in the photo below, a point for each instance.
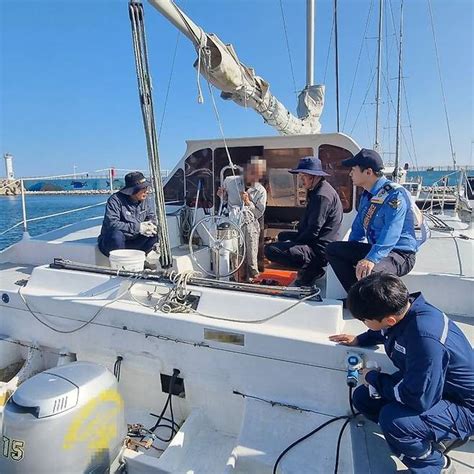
(421, 229)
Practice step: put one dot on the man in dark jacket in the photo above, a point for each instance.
(129, 221)
(305, 249)
(428, 403)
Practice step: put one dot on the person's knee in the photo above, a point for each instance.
(394, 421)
(269, 251)
(333, 249)
(116, 238)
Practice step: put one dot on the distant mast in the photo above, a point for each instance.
(399, 125)
(9, 173)
(377, 146)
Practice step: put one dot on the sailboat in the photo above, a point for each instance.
(183, 369)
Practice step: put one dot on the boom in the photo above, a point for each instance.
(219, 64)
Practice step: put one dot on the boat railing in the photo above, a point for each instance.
(20, 181)
(24, 222)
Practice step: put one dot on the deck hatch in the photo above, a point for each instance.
(225, 337)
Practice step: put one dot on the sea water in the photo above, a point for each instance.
(42, 205)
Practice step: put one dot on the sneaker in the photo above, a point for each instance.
(448, 466)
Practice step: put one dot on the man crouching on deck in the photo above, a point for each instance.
(427, 406)
(129, 221)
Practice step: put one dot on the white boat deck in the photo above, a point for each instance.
(297, 340)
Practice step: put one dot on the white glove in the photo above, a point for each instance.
(148, 229)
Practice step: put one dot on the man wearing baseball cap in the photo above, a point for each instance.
(305, 248)
(385, 220)
(129, 221)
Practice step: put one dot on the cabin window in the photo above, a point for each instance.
(174, 188)
(286, 198)
(198, 171)
(331, 157)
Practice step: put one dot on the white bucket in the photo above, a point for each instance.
(125, 259)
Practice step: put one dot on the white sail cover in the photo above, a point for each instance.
(221, 66)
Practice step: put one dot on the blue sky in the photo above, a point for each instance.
(69, 93)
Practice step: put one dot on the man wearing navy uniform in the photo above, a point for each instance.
(385, 219)
(427, 405)
(129, 221)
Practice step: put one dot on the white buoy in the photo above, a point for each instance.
(9, 166)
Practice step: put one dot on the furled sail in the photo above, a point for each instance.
(219, 63)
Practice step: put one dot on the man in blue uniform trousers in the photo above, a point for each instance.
(129, 221)
(385, 219)
(427, 405)
(305, 248)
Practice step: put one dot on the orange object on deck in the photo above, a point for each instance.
(281, 277)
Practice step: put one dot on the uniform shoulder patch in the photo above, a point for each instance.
(395, 203)
(388, 187)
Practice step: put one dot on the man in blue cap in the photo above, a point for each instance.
(426, 407)
(385, 220)
(129, 221)
(305, 248)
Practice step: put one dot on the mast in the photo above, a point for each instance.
(397, 144)
(310, 43)
(377, 146)
(336, 60)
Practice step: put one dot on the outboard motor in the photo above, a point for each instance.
(68, 419)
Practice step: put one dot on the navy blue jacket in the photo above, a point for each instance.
(322, 218)
(125, 215)
(434, 358)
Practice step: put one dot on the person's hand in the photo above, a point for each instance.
(221, 192)
(246, 198)
(345, 339)
(365, 371)
(148, 229)
(364, 268)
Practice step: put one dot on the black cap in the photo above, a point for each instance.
(365, 159)
(134, 182)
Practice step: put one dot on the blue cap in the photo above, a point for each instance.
(309, 165)
(365, 159)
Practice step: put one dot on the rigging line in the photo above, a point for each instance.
(391, 102)
(363, 102)
(451, 145)
(357, 64)
(136, 13)
(410, 124)
(329, 49)
(168, 87)
(288, 48)
(219, 122)
(368, 127)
